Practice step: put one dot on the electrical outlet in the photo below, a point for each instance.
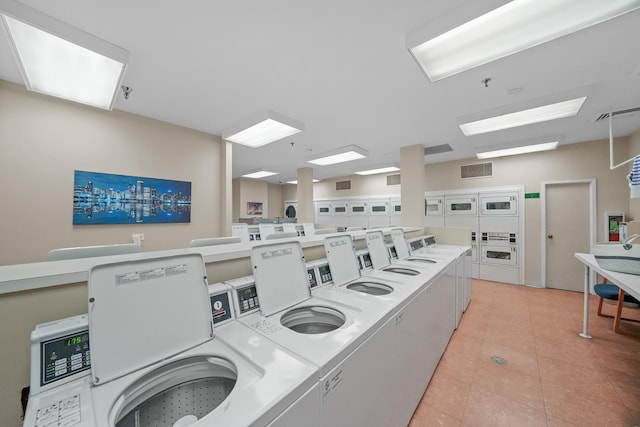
(137, 238)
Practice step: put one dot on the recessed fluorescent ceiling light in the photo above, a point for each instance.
(72, 64)
(340, 155)
(512, 28)
(265, 129)
(524, 117)
(378, 170)
(259, 174)
(518, 150)
(295, 181)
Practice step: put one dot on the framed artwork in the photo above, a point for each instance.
(103, 198)
(254, 208)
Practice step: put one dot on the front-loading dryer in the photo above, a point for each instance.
(156, 359)
(341, 339)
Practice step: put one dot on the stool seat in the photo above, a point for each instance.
(608, 291)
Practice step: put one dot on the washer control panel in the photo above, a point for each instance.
(247, 298)
(324, 272)
(64, 356)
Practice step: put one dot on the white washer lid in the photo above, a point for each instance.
(281, 276)
(377, 249)
(400, 243)
(141, 312)
(342, 258)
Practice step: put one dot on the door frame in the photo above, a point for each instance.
(543, 217)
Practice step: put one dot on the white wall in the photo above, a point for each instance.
(43, 140)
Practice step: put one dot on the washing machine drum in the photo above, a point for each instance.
(290, 212)
(425, 260)
(371, 288)
(177, 394)
(313, 319)
(401, 270)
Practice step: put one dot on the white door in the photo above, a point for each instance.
(568, 230)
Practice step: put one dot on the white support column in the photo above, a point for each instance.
(412, 176)
(226, 188)
(305, 209)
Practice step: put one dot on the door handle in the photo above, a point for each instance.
(550, 236)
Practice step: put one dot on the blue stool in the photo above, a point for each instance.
(614, 293)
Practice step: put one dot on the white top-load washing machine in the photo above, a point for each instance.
(349, 283)
(338, 337)
(298, 405)
(156, 359)
(381, 258)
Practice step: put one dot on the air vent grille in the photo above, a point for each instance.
(343, 185)
(437, 149)
(478, 170)
(393, 179)
(605, 116)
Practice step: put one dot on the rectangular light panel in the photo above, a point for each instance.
(512, 28)
(262, 133)
(259, 174)
(518, 150)
(378, 170)
(524, 117)
(340, 155)
(54, 66)
(295, 181)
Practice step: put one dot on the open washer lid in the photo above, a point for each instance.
(141, 312)
(342, 259)
(400, 243)
(377, 249)
(281, 276)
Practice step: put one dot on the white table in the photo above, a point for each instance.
(629, 283)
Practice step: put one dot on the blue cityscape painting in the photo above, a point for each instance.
(102, 198)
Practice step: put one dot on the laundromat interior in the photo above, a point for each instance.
(164, 262)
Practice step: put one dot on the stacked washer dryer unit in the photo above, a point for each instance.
(339, 336)
(153, 342)
(501, 250)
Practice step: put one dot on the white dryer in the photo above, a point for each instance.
(156, 359)
(290, 209)
(335, 336)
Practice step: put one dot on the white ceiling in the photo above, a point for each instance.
(342, 68)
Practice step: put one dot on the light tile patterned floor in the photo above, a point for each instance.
(553, 377)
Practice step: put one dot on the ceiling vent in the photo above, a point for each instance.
(393, 179)
(617, 114)
(478, 170)
(437, 149)
(343, 185)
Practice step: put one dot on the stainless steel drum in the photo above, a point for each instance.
(313, 319)
(178, 393)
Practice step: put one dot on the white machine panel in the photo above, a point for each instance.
(434, 206)
(120, 338)
(292, 288)
(462, 204)
(500, 204)
(340, 253)
(379, 207)
(266, 230)
(323, 209)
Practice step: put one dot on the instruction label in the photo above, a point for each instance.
(332, 382)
